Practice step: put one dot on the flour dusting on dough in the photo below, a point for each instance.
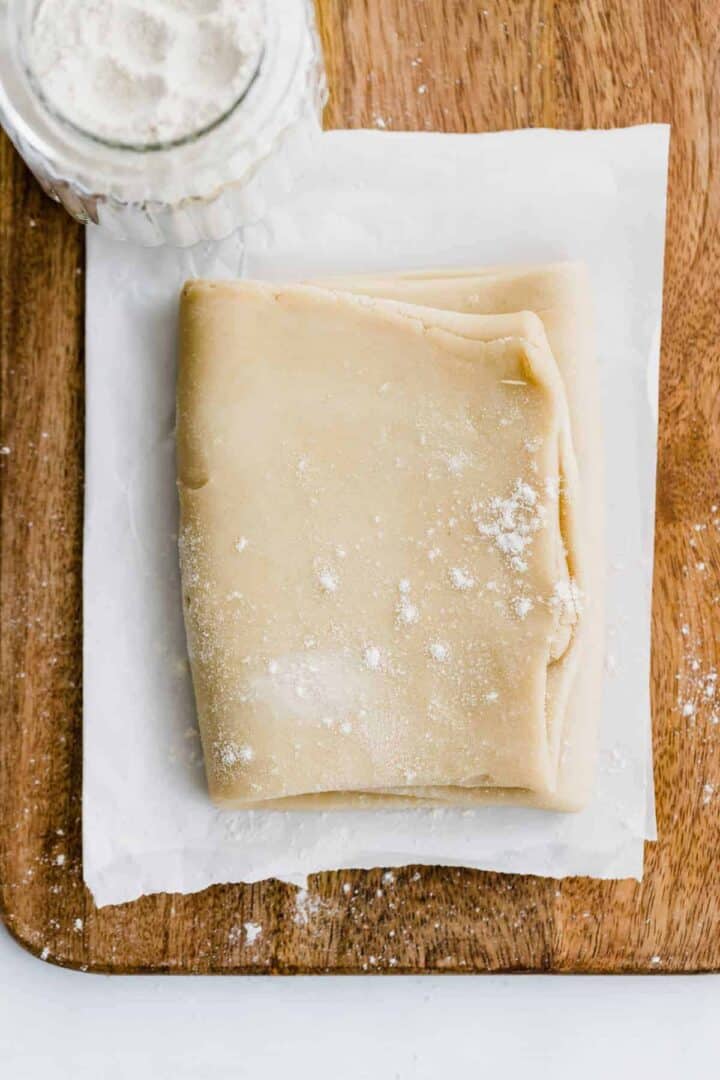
(510, 523)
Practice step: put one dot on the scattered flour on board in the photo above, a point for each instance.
(698, 694)
(697, 682)
(306, 907)
(253, 931)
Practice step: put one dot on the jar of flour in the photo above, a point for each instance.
(164, 121)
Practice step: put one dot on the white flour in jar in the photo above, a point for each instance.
(144, 72)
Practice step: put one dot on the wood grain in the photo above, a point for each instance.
(453, 65)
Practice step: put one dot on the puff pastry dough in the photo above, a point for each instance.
(387, 547)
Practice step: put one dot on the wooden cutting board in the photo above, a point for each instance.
(451, 65)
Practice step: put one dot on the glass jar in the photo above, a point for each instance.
(200, 189)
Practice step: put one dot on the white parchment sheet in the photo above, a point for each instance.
(371, 201)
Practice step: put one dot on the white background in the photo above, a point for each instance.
(56, 1024)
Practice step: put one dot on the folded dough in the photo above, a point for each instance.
(383, 545)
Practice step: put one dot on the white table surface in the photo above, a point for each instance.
(56, 1024)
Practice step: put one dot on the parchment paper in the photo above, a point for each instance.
(370, 201)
